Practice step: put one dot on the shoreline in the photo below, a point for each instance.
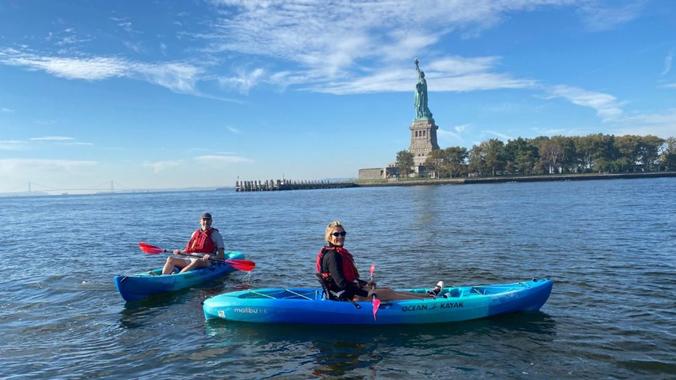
(537, 178)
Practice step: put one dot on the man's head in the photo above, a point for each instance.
(205, 220)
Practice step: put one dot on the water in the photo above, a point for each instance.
(609, 246)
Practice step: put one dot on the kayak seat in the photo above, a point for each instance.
(328, 294)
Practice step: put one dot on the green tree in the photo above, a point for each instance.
(627, 153)
(648, 152)
(448, 163)
(668, 154)
(521, 156)
(568, 157)
(494, 155)
(404, 162)
(551, 155)
(603, 152)
(476, 161)
(457, 160)
(438, 162)
(583, 158)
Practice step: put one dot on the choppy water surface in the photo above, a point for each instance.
(610, 247)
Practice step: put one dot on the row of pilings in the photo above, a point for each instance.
(285, 184)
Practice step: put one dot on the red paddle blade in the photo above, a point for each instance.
(376, 305)
(150, 249)
(243, 265)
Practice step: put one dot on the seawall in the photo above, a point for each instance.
(539, 178)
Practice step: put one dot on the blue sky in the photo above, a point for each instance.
(172, 94)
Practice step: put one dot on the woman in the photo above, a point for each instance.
(336, 268)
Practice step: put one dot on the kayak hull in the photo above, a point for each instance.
(307, 306)
(142, 285)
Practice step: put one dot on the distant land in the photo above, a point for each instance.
(503, 179)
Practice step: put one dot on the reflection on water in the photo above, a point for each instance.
(340, 350)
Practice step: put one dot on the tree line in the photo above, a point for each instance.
(596, 153)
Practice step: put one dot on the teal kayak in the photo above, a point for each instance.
(142, 285)
(309, 306)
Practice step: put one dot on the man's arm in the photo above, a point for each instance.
(220, 246)
(220, 254)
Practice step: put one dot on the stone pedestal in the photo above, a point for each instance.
(423, 139)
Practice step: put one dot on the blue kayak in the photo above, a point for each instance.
(309, 306)
(142, 285)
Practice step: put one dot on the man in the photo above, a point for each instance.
(206, 241)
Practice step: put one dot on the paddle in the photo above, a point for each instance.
(376, 301)
(243, 265)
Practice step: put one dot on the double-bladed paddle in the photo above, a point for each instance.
(243, 265)
(375, 300)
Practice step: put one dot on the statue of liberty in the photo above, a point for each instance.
(421, 109)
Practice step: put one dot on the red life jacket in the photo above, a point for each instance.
(200, 242)
(349, 270)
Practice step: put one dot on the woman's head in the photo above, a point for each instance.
(335, 233)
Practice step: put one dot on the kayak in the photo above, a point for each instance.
(309, 306)
(142, 285)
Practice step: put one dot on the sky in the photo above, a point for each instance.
(98, 95)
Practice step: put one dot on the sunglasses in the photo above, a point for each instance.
(336, 234)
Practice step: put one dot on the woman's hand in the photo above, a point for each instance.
(176, 251)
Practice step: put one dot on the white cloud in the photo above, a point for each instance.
(124, 23)
(35, 141)
(70, 68)
(500, 135)
(160, 166)
(599, 18)
(177, 77)
(243, 81)
(346, 48)
(461, 128)
(12, 144)
(222, 159)
(52, 138)
(670, 85)
(18, 165)
(662, 124)
(448, 137)
(328, 42)
(233, 130)
(62, 140)
(667, 63)
(447, 74)
(6, 110)
(607, 106)
(454, 135)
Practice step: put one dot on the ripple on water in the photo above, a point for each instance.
(609, 246)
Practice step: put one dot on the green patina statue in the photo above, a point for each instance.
(421, 109)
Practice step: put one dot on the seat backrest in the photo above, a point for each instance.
(327, 294)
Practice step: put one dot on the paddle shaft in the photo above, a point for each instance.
(198, 256)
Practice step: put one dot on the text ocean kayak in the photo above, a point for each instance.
(308, 306)
(139, 286)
